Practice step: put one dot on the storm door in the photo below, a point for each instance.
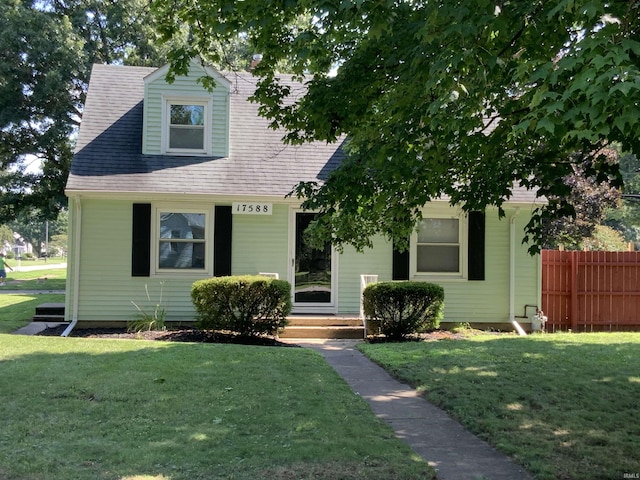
(312, 271)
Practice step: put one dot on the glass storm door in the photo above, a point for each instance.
(312, 271)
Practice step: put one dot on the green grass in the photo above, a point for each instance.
(76, 408)
(563, 405)
(17, 310)
(44, 279)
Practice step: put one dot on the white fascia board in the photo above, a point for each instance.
(179, 197)
(161, 72)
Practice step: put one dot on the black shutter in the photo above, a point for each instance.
(223, 223)
(476, 245)
(141, 246)
(400, 264)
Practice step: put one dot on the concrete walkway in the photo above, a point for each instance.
(454, 452)
(35, 328)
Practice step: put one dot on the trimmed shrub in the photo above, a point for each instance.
(403, 308)
(248, 305)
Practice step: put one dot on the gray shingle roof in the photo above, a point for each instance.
(109, 155)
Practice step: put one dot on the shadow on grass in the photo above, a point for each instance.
(77, 408)
(565, 406)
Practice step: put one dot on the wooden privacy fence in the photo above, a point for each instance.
(591, 291)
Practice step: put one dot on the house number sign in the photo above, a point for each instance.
(251, 208)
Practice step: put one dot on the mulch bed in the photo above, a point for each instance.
(183, 334)
(187, 334)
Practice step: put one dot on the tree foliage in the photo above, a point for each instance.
(464, 99)
(6, 237)
(626, 218)
(33, 229)
(591, 203)
(39, 102)
(48, 49)
(605, 238)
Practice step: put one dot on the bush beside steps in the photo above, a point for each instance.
(403, 308)
(249, 305)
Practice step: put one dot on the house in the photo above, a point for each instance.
(171, 183)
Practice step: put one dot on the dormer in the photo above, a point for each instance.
(183, 118)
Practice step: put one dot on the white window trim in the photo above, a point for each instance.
(207, 103)
(463, 239)
(157, 209)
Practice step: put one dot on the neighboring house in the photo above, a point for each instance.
(171, 184)
(19, 247)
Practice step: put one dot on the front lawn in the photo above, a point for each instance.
(43, 279)
(563, 405)
(17, 310)
(75, 408)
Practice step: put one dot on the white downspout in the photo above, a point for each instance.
(539, 282)
(76, 268)
(512, 272)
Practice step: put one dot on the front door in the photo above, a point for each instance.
(313, 276)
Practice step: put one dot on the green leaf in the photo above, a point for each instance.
(545, 124)
(625, 87)
(555, 75)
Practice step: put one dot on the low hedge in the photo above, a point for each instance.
(247, 305)
(403, 308)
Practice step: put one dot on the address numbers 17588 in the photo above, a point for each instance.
(251, 208)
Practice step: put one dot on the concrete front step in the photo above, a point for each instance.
(48, 318)
(322, 332)
(49, 312)
(323, 326)
(300, 326)
(323, 321)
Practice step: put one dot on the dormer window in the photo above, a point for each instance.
(187, 126)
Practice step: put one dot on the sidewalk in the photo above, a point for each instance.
(454, 452)
(40, 266)
(31, 292)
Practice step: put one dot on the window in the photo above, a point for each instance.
(438, 246)
(187, 126)
(182, 240)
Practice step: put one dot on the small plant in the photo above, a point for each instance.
(143, 320)
(461, 327)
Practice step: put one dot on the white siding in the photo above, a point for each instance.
(71, 263)
(487, 301)
(260, 243)
(106, 287)
(351, 264)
